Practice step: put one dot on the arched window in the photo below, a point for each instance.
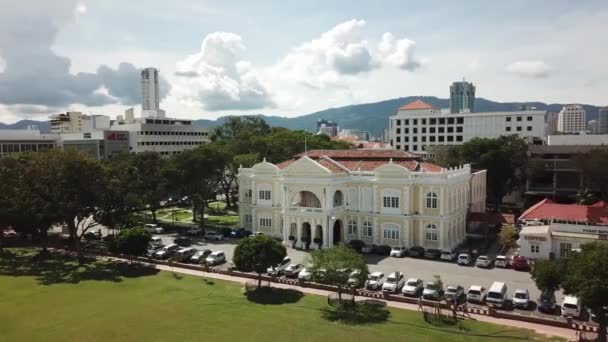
(338, 199)
(431, 232)
(368, 229)
(431, 200)
(306, 199)
(352, 227)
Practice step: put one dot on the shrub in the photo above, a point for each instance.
(357, 245)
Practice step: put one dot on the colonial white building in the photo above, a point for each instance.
(383, 197)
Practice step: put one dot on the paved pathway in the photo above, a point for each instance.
(539, 328)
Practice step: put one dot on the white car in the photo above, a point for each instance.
(213, 236)
(305, 274)
(184, 254)
(394, 282)
(215, 258)
(432, 290)
(398, 252)
(484, 261)
(413, 287)
(448, 255)
(476, 294)
(156, 241)
(521, 298)
(464, 259)
(293, 270)
(154, 228)
(166, 251)
(354, 279)
(501, 261)
(375, 281)
(280, 268)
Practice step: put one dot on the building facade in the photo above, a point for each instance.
(70, 122)
(356, 133)
(572, 119)
(149, 90)
(382, 197)
(100, 145)
(326, 127)
(462, 97)
(418, 125)
(25, 140)
(602, 121)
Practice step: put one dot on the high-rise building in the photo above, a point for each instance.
(572, 119)
(149, 89)
(462, 97)
(602, 122)
(326, 127)
(551, 123)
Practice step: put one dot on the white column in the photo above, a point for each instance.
(330, 233)
(359, 227)
(376, 230)
(254, 194)
(442, 201)
(299, 228)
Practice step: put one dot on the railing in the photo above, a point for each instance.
(305, 210)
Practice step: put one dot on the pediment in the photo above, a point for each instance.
(306, 166)
(265, 167)
(391, 170)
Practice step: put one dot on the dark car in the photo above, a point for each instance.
(520, 263)
(547, 302)
(416, 252)
(239, 233)
(183, 241)
(432, 253)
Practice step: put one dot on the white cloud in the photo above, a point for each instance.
(218, 79)
(80, 9)
(533, 69)
(398, 53)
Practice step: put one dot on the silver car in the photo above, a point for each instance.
(413, 287)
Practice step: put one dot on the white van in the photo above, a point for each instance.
(184, 254)
(153, 228)
(497, 295)
(571, 306)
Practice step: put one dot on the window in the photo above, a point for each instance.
(424, 121)
(406, 139)
(248, 219)
(450, 121)
(415, 148)
(265, 195)
(424, 139)
(265, 222)
(248, 193)
(565, 249)
(459, 138)
(415, 130)
(415, 139)
(442, 121)
(352, 227)
(432, 130)
(529, 118)
(535, 249)
(441, 138)
(406, 122)
(508, 129)
(390, 202)
(398, 122)
(460, 121)
(415, 121)
(450, 129)
(441, 129)
(431, 200)
(391, 232)
(529, 128)
(406, 130)
(433, 121)
(431, 233)
(450, 138)
(423, 129)
(398, 130)
(398, 139)
(519, 118)
(508, 119)
(368, 229)
(432, 138)
(519, 128)
(459, 129)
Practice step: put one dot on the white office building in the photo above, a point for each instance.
(572, 119)
(76, 122)
(418, 125)
(149, 90)
(25, 140)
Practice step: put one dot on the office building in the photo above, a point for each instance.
(551, 123)
(98, 144)
(462, 97)
(382, 197)
(572, 119)
(25, 140)
(70, 122)
(326, 127)
(418, 125)
(592, 127)
(602, 121)
(577, 139)
(356, 133)
(149, 90)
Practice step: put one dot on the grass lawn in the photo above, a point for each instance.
(57, 300)
(226, 220)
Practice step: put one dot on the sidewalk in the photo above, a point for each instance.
(568, 334)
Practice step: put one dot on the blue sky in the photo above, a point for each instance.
(295, 57)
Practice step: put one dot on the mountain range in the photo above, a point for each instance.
(372, 117)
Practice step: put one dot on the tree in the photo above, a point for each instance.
(335, 266)
(132, 242)
(149, 179)
(508, 236)
(257, 254)
(548, 275)
(593, 168)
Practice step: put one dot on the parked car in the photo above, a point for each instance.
(497, 295)
(154, 228)
(521, 298)
(354, 279)
(454, 293)
(375, 281)
(483, 261)
(476, 294)
(394, 282)
(464, 259)
(215, 236)
(183, 241)
(449, 255)
(305, 273)
(166, 252)
(194, 231)
(200, 256)
(184, 254)
(413, 287)
(367, 249)
(571, 306)
(109, 237)
(547, 302)
(432, 290)
(293, 270)
(416, 252)
(398, 252)
(238, 233)
(432, 253)
(9, 233)
(519, 263)
(278, 269)
(93, 235)
(153, 249)
(215, 258)
(156, 241)
(501, 261)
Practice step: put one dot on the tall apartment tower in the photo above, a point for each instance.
(462, 97)
(149, 89)
(572, 119)
(602, 122)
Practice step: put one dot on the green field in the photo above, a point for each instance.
(58, 300)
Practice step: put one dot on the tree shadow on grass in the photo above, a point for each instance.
(57, 268)
(273, 296)
(361, 312)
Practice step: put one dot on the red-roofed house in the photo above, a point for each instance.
(383, 197)
(553, 228)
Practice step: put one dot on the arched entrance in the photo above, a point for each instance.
(337, 231)
(318, 236)
(306, 235)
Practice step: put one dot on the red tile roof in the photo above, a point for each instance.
(418, 104)
(360, 153)
(546, 210)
